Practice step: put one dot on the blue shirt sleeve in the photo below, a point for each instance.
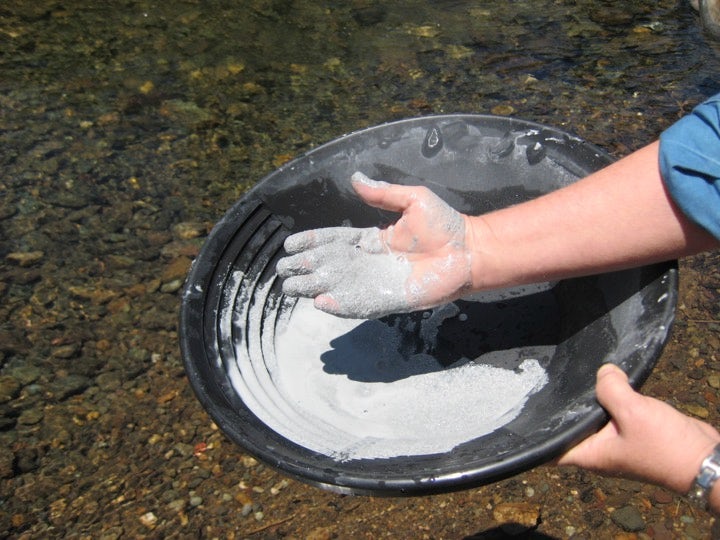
(690, 164)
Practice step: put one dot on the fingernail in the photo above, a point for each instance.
(361, 178)
(607, 368)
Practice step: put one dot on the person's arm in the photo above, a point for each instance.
(619, 217)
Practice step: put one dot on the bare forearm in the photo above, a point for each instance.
(619, 217)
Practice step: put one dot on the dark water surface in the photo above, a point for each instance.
(128, 128)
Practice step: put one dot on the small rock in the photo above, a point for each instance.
(25, 374)
(108, 381)
(57, 510)
(186, 113)
(188, 230)
(693, 532)
(120, 262)
(178, 505)
(196, 500)
(628, 518)
(149, 520)
(113, 533)
(503, 110)
(172, 286)
(96, 295)
(7, 465)
(321, 533)
(177, 269)
(9, 388)
(25, 276)
(27, 460)
(517, 517)
(660, 496)
(66, 351)
(7, 210)
(8, 417)
(25, 258)
(30, 417)
(697, 410)
(277, 488)
(72, 385)
(183, 449)
(714, 381)
(659, 531)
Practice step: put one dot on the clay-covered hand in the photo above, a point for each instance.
(419, 262)
(645, 439)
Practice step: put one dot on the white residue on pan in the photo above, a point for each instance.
(340, 387)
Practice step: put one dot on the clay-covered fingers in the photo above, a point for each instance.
(307, 286)
(320, 258)
(323, 261)
(301, 263)
(366, 238)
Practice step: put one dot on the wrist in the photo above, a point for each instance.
(496, 261)
(480, 243)
(703, 490)
(705, 480)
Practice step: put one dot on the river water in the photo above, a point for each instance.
(128, 128)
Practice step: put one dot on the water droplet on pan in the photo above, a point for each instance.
(535, 153)
(433, 142)
(503, 147)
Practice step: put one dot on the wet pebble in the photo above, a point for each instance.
(188, 230)
(697, 410)
(7, 465)
(660, 496)
(149, 519)
(24, 276)
(628, 518)
(25, 374)
(178, 505)
(186, 113)
(25, 258)
(9, 388)
(176, 269)
(8, 416)
(113, 533)
(26, 460)
(64, 387)
(517, 517)
(7, 210)
(69, 350)
(109, 380)
(172, 286)
(31, 416)
(321, 533)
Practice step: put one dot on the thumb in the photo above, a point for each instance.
(613, 391)
(393, 197)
